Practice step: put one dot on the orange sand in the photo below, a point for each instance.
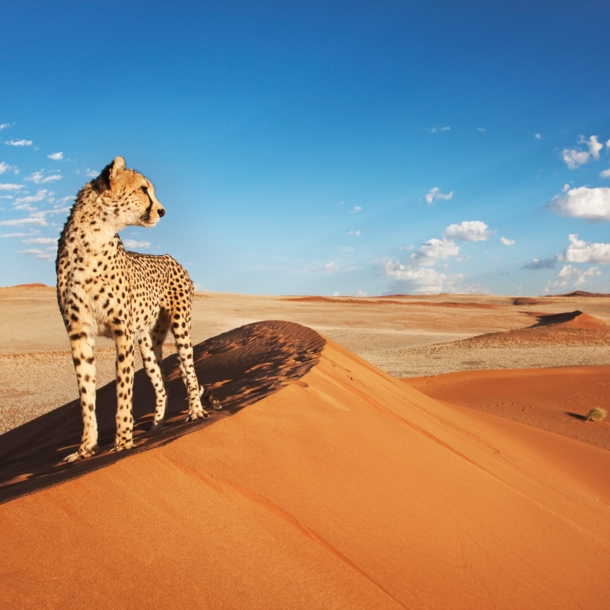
(553, 399)
(343, 489)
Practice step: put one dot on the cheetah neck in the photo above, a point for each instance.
(91, 227)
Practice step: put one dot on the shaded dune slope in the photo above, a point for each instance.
(345, 489)
(240, 367)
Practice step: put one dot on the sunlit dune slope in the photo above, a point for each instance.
(343, 489)
(554, 399)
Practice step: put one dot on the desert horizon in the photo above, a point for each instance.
(377, 452)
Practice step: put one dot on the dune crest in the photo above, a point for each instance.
(344, 489)
(570, 319)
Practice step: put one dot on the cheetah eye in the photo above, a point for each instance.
(144, 189)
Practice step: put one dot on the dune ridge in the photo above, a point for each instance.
(240, 367)
(344, 488)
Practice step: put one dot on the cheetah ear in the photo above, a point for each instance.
(118, 166)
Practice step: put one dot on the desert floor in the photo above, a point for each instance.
(391, 452)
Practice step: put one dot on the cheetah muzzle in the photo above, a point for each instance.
(102, 289)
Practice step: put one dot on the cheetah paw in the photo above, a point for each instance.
(197, 415)
(156, 427)
(81, 454)
(123, 445)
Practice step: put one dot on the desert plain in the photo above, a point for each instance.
(383, 452)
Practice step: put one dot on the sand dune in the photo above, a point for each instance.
(555, 339)
(553, 399)
(337, 486)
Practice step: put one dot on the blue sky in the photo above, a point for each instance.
(319, 147)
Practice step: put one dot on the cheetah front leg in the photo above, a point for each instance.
(124, 387)
(82, 342)
(153, 369)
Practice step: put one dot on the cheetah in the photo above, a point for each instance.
(103, 289)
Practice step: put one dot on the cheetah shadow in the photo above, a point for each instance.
(240, 367)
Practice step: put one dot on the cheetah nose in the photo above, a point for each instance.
(161, 212)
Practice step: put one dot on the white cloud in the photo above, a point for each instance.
(424, 280)
(4, 126)
(42, 240)
(580, 251)
(357, 208)
(441, 129)
(10, 187)
(18, 222)
(354, 233)
(435, 193)
(14, 234)
(507, 242)
(605, 174)
(574, 157)
(583, 202)
(336, 294)
(40, 178)
(23, 203)
(5, 167)
(594, 147)
(329, 267)
(570, 273)
(360, 293)
(45, 256)
(433, 250)
(468, 230)
(538, 136)
(132, 243)
(58, 156)
(481, 129)
(19, 142)
(420, 272)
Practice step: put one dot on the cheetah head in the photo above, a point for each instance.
(129, 195)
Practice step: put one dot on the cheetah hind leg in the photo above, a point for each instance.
(152, 365)
(204, 394)
(187, 371)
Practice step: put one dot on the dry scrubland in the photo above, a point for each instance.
(404, 336)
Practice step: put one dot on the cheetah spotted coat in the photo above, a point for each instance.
(102, 289)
